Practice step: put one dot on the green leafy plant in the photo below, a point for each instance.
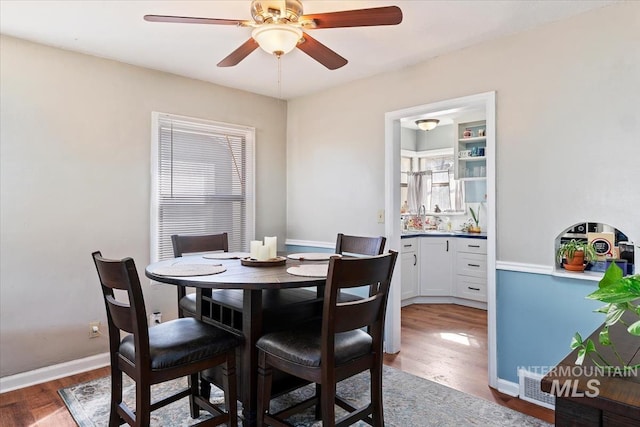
(621, 295)
(476, 217)
(568, 249)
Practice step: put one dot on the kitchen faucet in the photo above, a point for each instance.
(422, 213)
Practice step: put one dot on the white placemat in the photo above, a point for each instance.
(180, 270)
(312, 256)
(226, 255)
(309, 270)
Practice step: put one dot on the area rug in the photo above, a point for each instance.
(408, 401)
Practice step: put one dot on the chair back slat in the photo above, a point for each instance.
(369, 246)
(344, 273)
(130, 316)
(120, 314)
(357, 314)
(184, 244)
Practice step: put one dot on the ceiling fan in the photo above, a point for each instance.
(278, 28)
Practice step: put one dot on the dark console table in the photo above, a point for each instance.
(592, 399)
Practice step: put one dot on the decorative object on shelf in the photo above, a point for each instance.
(481, 132)
(576, 254)
(427, 124)
(622, 297)
(467, 133)
(464, 154)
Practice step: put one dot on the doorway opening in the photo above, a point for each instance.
(454, 110)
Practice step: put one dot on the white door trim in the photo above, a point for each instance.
(392, 223)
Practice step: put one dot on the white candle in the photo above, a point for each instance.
(254, 245)
(272, 244)
(263, 253)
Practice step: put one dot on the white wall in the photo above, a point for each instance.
(567, 113)
(75, 160)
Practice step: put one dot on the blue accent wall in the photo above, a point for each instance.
(537, 315)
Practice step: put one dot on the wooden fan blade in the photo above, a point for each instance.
(388, 15)
(189, 20)
(239, 54)
(321, 53)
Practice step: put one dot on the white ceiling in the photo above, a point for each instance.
(115, 29)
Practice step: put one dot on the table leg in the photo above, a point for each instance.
(251, 329)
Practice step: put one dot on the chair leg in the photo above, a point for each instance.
(116, 396)
(194, 409)
(143, 403)
(230, 388)
(328, 404)
(319, 401)
(265, 376)
(205, 388)
(376, 395)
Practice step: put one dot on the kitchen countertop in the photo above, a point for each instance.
(439, 233)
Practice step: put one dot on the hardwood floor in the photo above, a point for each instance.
(447, 344)
(443, 343)
(40, 405)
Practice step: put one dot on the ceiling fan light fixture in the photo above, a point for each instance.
(277, 39)
(427, 124)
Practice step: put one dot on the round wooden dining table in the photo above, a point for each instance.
(243, 312)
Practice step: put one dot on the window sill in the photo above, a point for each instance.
(594, 276)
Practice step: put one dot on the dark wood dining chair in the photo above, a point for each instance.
(170, 350)
(360, 245)
(184, 244)
(335, 349)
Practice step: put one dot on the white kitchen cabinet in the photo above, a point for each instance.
(410, 268)
(471, 270)
(436, 266)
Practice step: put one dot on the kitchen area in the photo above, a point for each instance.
(443, 188)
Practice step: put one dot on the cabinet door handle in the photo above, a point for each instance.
(415, 259)
(473, 246)
(447, 246)
(473, 265)
(473, 289)
(407, 246)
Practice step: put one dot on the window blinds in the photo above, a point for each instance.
(203, 180)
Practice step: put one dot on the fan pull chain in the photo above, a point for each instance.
(279, 76)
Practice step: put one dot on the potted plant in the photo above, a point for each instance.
(476, 219)
(622, 297)
(576, 253)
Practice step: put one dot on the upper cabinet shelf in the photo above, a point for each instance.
(470, 150)
(472, 139)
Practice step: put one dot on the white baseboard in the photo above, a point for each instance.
(53, 372)
(507, 387)
(443, 300)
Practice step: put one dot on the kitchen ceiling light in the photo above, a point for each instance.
(277, 39)
(427, 124)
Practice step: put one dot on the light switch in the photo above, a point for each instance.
(381, 216)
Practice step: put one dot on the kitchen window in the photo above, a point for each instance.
(202, 181)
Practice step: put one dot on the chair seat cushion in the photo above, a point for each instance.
(188, 303)
(303, 346)
(180, 342)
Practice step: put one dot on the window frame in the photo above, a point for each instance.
(247, 132)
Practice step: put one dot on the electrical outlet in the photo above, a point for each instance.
(94, 329)
(381, 216)
(155, 318)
